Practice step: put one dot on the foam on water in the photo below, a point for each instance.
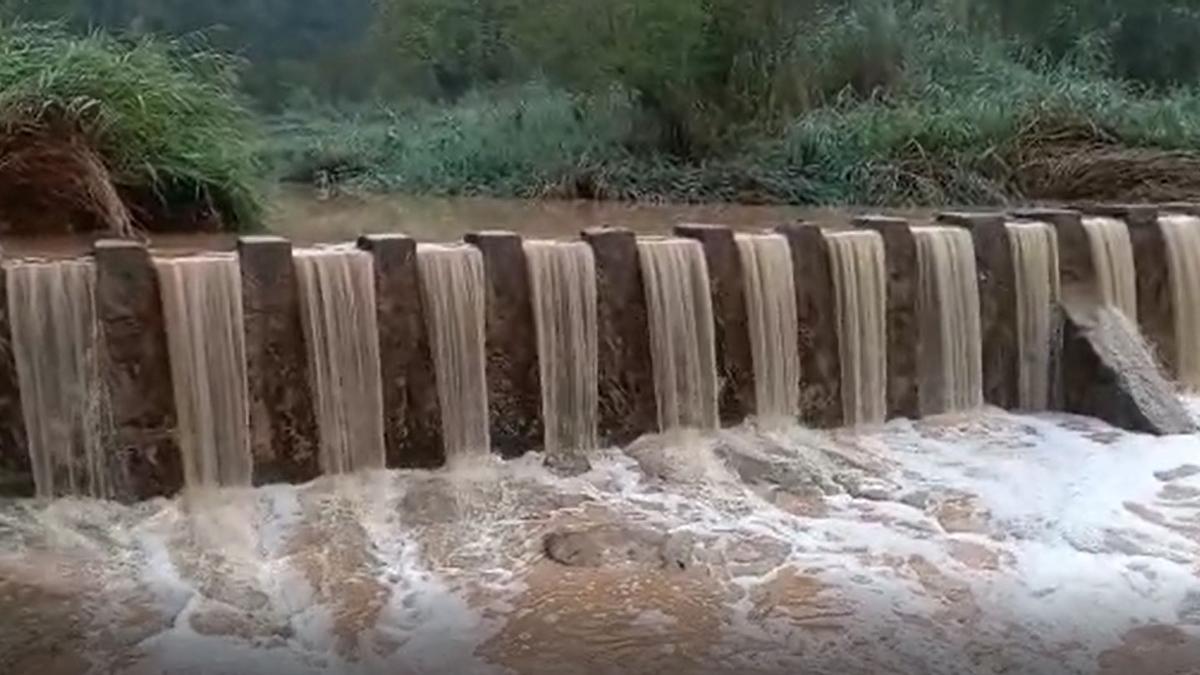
(1037, 543)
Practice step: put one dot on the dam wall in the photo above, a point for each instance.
(132, 407)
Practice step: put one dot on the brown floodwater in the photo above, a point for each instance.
(306, 217)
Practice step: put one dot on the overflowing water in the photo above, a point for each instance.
(860, 281)
(1035, 257)
(682, 348)
(1182, 234)
(770, 284)
(56, 346)
(202, 311)
(337, 303)
(1112, 254)
(951, 362)
(915, 548)
(452, 287)
(563, 281)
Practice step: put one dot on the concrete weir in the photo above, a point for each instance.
(283, 420)
(130, 412)
(816, 299)
(412, 421)
(997, 303)
(900, 249)
(137, 374)
(735, 364)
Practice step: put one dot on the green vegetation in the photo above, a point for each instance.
(874, 102)
(123, 132)
(887, 102)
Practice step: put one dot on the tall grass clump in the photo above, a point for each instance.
(160, 121)
(513, 142)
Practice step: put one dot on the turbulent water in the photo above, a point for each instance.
(1112, 253)
(773, 326)
(563, 281)
(452, 286)
(951, 363)
(860, 280)
(55, 342)
(1182, 234)
(202, 311)
(337, 302)
(1035, 256)
(679, 303)
(1047, 545)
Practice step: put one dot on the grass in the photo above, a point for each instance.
(950, 117)
(165, 118)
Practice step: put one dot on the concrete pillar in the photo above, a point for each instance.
(137, 372)
(1076, 267)
(283, 424)
(16, 474)
(816, 306)
(514, 383)
(628, 407)
(997, 304)
(735, 361)
(903, 328)
(412, 414)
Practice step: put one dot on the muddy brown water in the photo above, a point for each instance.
(307, 217)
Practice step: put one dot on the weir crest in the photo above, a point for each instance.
(337, 301)
(1035, 259)
(860, 281)
(56, 343)
(679, 306)
(202, 312)
(563, 283)
(452, 287)
(773, 326)
(131, 376)
(1182, 234)
(1112, 254)
(951, 363)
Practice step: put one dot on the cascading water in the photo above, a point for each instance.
(1182, 235)
(337, 300)
(1112, 255)
(202, 309)
(675, 275)
(452, 286)
(563, 280)
(860, 280)
(1035, 256)
(774, 333)
(55, 337)
(951, 363)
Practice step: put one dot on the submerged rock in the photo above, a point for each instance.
(567, 465)
(619, 545)
(1110, 373)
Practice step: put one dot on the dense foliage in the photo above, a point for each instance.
(872, 101)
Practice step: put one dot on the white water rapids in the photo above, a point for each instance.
(990, 543)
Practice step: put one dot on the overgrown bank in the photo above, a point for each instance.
(885, 103)
(115, 134)
(873, 102)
